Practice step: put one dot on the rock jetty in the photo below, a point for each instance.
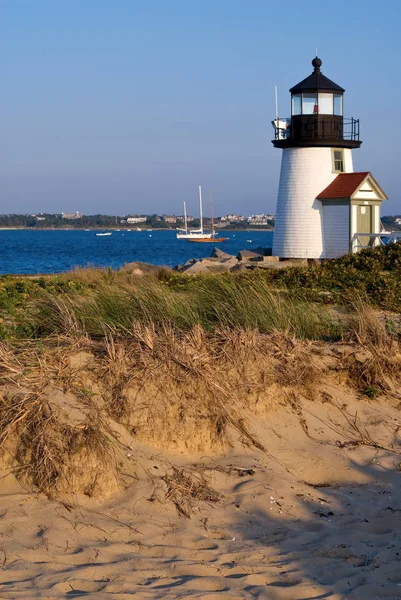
(221, 262)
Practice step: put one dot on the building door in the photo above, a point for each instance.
(364, 219)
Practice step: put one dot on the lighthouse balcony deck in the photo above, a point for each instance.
(316, 130)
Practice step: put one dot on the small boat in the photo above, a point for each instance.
(103, 234)
(212, 237)
(198, 235)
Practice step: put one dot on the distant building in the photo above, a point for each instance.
(397, 220)
(67, 215)
(232, 219)
(136, 219)
(169, 218)
(40, 218)
(258, 219)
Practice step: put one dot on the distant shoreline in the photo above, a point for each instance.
(125, 229)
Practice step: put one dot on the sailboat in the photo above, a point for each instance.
(194, 234)
(198, 235)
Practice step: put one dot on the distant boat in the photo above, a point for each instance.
(197, 235)
(103, 234)
(383, 230)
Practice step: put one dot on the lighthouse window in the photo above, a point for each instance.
(297, 104)
(309, 104)
(338, 104)
(325, 104)
(338, 161)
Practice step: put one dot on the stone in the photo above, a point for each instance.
(282, 264)
(194, 268)
(139, 268)
(210, 265)
(189, 262)
(241, 267)
(249, 255)
(271, 259)
(262, 251)
(217, 253)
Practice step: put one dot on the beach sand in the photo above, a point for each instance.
(316, 515)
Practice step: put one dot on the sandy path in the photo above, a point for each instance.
(277, 534)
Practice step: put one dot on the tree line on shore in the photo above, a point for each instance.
(57, 221)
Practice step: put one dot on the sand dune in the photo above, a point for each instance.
(305, 519)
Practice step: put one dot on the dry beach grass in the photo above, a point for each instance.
(218, 437)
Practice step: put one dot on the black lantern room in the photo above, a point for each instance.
(316, 115)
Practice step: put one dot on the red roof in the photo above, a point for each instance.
(344, 185)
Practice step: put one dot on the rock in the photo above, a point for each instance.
(189, 262)
(139, 268)
(241, 267)
(194, 268)
(296, 262)
(262, 251)
(217, 253)
(271, 259)
(249, 255)
(210, 265)
(281, 264)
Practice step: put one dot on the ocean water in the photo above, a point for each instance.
(36, 251)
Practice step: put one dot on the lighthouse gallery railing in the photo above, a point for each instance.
(318, 127)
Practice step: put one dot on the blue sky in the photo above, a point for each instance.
(123, 106)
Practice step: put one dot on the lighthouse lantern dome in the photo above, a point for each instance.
(317, 94)
(317, 115)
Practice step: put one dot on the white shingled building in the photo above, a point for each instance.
(319, 206)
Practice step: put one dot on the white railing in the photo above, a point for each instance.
(370, 240)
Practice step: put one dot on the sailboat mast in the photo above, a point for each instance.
(185, 217)
(211, 212)
(200, 209)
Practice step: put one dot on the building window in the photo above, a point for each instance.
(325, 104)
(297, 104)
(338, 104)
(338, 161)
(309, 104)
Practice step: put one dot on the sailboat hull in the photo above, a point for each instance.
(206, 240)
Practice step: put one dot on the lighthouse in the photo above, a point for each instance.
(322, 204)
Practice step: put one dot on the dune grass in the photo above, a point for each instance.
(212, 302)
(298, 301)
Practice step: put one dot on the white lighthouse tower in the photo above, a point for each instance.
(314, 219)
